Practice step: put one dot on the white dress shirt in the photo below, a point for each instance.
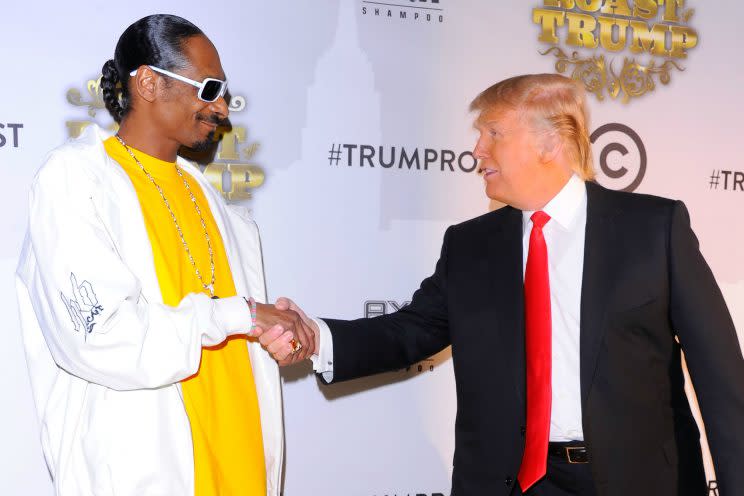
(564, 237)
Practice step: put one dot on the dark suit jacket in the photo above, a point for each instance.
(644, 282)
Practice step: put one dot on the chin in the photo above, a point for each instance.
(495, 195)
(204, 144)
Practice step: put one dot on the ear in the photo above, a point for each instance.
(145, 83)
(551, 146)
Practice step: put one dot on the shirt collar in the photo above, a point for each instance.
(564, 207)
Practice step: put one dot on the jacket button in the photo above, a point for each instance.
(508, 480)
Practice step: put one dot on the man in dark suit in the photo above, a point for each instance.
(567, 311)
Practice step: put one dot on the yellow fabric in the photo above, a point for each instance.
(220, 399)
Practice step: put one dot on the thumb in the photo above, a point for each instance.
(284, 303)
(293, 306)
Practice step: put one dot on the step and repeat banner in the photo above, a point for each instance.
(351, 143)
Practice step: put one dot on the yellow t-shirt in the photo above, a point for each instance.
(220, 398)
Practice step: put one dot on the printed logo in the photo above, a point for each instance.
(595, 31)
(83, 307)
(400, 157)
(405, 10)
(726, 180)
(622, 160)
(9, 134)
(375, 308)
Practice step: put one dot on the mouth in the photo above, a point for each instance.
(487, 171)
(211, 122)
(209, 125)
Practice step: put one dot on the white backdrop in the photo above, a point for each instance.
(345, 239)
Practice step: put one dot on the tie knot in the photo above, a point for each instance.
(539, 219)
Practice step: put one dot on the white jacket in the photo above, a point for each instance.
(104, 353)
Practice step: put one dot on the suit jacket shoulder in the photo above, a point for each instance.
(486, 223)
(626, 202)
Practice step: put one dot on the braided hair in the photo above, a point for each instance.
(153, 40)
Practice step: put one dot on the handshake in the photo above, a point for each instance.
(285, 331)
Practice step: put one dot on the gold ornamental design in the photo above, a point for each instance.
(93, 100)
(619, 49)
(632, 81)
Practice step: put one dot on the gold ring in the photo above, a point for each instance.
(296, 345)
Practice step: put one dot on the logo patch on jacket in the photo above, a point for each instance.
(83, 306)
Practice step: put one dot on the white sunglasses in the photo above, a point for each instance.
(210, 89)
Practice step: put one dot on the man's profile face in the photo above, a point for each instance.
(509, 158)
(184, 117)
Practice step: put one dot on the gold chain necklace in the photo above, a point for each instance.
(209, 287)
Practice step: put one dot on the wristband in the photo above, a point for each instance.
(252, 306)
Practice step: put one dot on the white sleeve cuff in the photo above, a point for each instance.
(233, 315)
(323, 361)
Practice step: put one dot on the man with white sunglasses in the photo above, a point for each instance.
(141, 293)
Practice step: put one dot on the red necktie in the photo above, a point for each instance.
(538, 351)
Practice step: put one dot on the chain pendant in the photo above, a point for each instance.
(208, 287)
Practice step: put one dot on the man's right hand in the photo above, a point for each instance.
(276, 338)
(278, 326)
(285, 303)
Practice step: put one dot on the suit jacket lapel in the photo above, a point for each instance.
(600, 250)
(505, 276)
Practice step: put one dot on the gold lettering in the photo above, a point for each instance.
(606, 33)
(683, 38)
(251, 176)
(241, 178)
(589, 5)
(649, 39)
(616, 7)
(580, 30)
(670, 9)
(549, 19)
(566, 4)
(647, 9)
(229, 145)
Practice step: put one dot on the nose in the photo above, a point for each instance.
(481, 150)
(220, 107)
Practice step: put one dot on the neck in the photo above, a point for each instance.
(547, 192)
(145, 138)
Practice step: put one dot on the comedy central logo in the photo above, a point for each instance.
(228, 169)
(654, 35)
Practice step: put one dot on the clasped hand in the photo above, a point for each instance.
(278, 325)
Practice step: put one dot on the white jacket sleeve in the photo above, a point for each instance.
(90, 307)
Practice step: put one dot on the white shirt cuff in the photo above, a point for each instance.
(233, 315)
(323, 361)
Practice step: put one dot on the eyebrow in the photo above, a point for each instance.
(478, 124)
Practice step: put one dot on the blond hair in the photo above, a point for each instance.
(551, 101)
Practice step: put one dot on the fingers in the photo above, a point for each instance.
(269, 315)
(308, 333)
(283, 303)
(306, 337)
(273, 321)
(256, 332)
(277, 342)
